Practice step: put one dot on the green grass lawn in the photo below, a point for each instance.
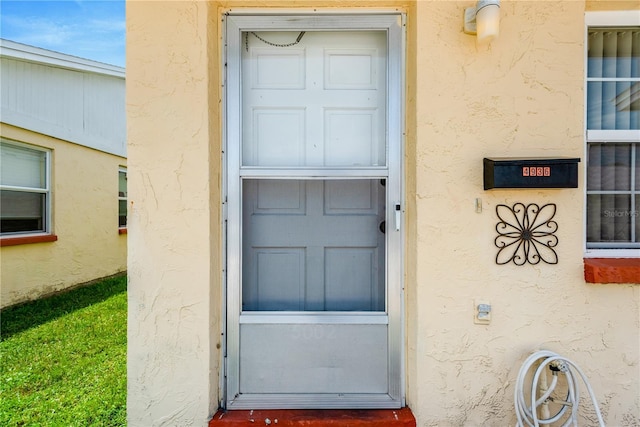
(63, 359)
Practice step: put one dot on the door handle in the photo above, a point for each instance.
(398, 218)
(382, 226)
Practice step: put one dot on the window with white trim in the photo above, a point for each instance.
(25, 194)
(122, 197)
(613, 132)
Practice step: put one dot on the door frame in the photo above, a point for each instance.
(236, 22)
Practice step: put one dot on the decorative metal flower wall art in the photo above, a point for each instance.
(526, 234)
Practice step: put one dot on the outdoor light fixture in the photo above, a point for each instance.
(483, 20)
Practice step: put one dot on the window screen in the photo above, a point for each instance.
(613, 159)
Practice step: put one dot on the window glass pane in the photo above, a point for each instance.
(22, 167)
(609, 167)
(594, 105)
(122, 213)
(594, 58)
(614, 53)
(613, 104)
(609, 218)
(636, 218)
(122, 184)
(21, 211)
(313, 245)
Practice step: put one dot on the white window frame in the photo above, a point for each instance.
(122, 169)
(46, 191)
(605, 19)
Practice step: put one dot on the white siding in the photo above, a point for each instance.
(78, 104)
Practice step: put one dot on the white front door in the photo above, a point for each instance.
(314, 293)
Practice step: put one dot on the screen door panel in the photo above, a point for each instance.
(318, 103)
(313, 245)
(314, 252)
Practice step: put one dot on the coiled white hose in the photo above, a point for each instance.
(528, 414)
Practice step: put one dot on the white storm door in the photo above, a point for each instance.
(314, 316)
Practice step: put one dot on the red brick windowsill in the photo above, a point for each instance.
(316, 418)
(25, 240)
(612, 270)
(122, 230)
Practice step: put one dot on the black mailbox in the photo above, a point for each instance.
(540, 172)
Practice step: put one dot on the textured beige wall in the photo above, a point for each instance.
(521, 96)
(605, 5)
(85, 219)
(174, 222)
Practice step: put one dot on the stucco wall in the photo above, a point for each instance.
(84, 218)
(174, 224)
(521, 96)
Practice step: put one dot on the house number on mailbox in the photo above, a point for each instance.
(536, 171)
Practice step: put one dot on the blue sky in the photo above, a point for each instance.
(91, 29)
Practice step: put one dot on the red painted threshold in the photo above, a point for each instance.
(315, 418)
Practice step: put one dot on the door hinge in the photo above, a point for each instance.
(224, 367)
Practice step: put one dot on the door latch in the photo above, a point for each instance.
(397, 213)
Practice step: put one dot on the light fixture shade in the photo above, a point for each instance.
(487, 20)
